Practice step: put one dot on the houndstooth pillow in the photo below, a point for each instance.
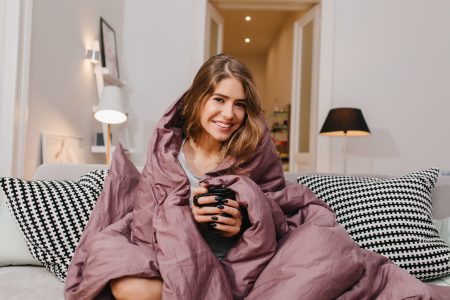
(53, 214)
(390, 216)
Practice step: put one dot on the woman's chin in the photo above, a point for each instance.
(221, 139)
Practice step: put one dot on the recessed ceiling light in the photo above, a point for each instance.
(247, 40)
(248, 18)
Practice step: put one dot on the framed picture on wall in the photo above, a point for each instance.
(108, 48)
(62, 149)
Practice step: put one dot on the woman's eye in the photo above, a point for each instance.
(240, 104)
(218, 99)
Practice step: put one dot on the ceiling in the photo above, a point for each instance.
(261, 30)
(264, 4)
(268, 17)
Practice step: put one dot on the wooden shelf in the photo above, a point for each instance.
(102, 149)
(280, 133)
(280, 112)
(279, 129)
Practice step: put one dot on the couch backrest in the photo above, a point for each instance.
(440, 194)
(64, 171)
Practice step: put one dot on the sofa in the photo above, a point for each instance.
(24, 278)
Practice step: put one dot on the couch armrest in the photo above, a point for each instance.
(441, 198)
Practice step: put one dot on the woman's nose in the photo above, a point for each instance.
(227, 110)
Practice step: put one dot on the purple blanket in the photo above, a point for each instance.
(143, 226)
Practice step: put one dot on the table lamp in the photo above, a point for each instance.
(345, 122)
(110, 111)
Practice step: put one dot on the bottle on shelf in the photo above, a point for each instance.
(280, 132)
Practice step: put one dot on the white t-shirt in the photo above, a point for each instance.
(218, 244)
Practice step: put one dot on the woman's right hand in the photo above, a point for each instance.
(202, 214)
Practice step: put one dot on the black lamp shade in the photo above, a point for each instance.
(345, 121)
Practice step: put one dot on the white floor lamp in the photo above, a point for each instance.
(345, 122)
(110, 111)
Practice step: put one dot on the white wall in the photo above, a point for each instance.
(160, 47)
(62, 86)
(161, 55)
(12, 36)
(391, 59)
(5, 127)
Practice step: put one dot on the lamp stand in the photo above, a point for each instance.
(344, 152)
(108, 143)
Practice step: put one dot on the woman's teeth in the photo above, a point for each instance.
(223, 125)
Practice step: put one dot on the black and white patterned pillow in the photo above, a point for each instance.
(52, 215)
(390, 216)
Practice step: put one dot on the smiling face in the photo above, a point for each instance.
(223, 112)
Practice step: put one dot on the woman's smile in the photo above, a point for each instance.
(223, 124)
(224, 111)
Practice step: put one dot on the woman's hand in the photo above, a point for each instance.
(228, 225)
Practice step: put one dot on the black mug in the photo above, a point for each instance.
(224, 193)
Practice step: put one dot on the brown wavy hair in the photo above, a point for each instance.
(244, 141)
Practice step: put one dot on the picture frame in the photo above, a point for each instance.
(108, 48)
(62, 149)
(99, 140)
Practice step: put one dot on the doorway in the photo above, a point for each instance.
(262, 35)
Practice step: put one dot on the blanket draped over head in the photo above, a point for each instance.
(142, 226)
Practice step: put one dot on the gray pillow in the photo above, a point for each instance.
(13, 249)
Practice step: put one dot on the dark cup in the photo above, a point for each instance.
(224, 193)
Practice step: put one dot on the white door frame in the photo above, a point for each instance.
(295, 158)
(326, 80)
(15, 32)
(202, 11)
(214, 15)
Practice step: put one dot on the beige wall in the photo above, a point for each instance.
(257, 65)
(278, 76)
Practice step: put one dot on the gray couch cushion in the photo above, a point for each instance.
(27, 282)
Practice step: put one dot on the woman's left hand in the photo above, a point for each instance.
(228, 225)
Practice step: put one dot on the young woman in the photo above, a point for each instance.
(222, 114)
(146, 239)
